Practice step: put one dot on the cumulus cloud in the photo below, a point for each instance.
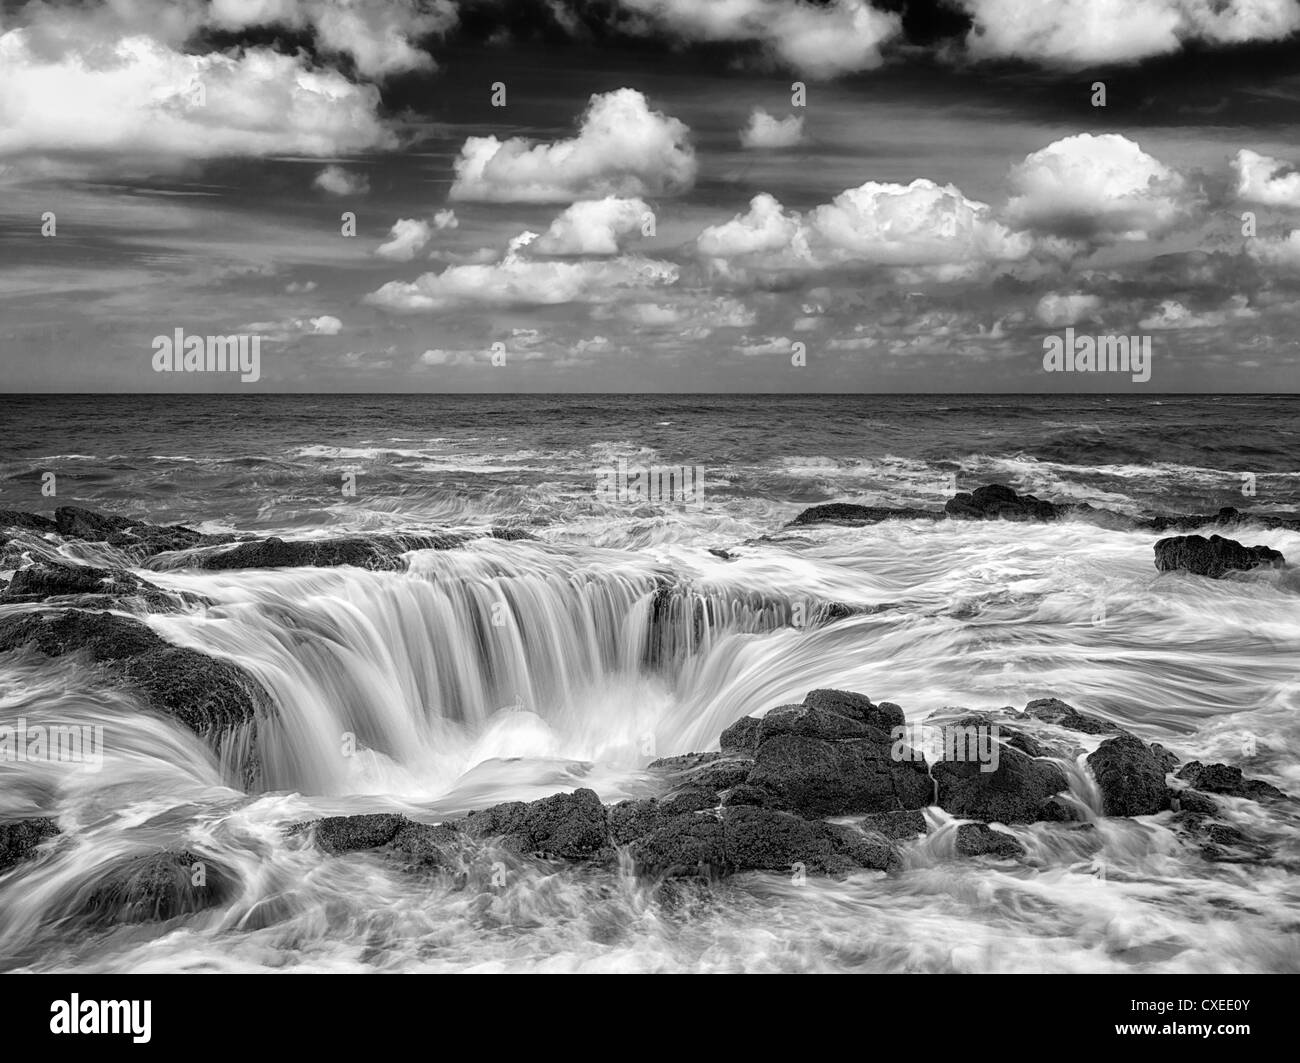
(340, 182)
(1097, 188)
(827, 40)
(1056, 310)
(446, 219)
(1174, 315)
(622, 149)
(520, 281)
(407, 237)
(595, 227)
(293, 327)
(764, 131)
(1075, 33)
(140, 96)
(775, 345)
(1283, 252)
(917, 225)
(1261, 179)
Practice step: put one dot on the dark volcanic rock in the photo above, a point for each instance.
(218, 700)
(47, 579)
(886, 715)
(741, 736)
(1018, 791)
(20, 838)
(1053, 710)
(380, 552)
(348, 834)
(1191, 801)
(995, 501)
(13, 518)
(689, 844)
(978, 839)
(899, 826)
(763, 839)
(424, 846)
(848, 513)
(73, 522)
(1228, 516)
(1131, 777)
(1213, 556)
(821, 777)
(1224, 779)
(573, 826)
(155, 887)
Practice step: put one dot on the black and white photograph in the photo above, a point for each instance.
(650, 487)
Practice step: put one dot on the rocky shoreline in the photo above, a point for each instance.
(823, 787)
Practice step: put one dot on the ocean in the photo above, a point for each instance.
(452, 708)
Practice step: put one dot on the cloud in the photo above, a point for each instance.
(1261, 179)
(1282, 251)
(820, 41)
(340, 182)
(1056, 310)
(765, 131)
(439, 357)
(407, 237)
(775, 345)
(516, 280)
(1173, 315)
(917, 225)
(137, 95)
(622, 149)
(293, 327)
(445, 219)
(1100, 189)
(1076, 33)
(594, 227)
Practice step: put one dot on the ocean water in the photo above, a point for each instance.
(454, 709)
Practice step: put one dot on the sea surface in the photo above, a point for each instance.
(514, 669)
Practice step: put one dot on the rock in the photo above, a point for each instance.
(899, 826)
(820, 777)
(572, 826)
(717, 775)
(629, 820)
(762, 839)
(690, 799)
(1191, 801)
(1131, 777)
(689, 844)
(741, 736)
(885, 716)
(19, 839)
(512, 534)
(744, 794)
(1053, 710)
(73, 522)
(997, 501)
(378, 553)
(216, 699)
(978, 839)
(1016, 792)
(1223, 779)
(349, 834)
(46, 579)
(13, 518)
(810, 722)
(1213, 556)
(155, 887)
(1228, 516)
(424, 846)
(1168, 758)
(848, 513)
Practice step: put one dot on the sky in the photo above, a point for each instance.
(650, 195)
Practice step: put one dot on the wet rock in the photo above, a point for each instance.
(717, 775)
(1224, 779)
(744, 794)
(156, 887)
(512, 534)
(379, 552)
(848, 513)
(629, 820)
(1192, 801)
(73, 522)
(13, 518)
(47, 579)
(997, 501)
(831, 777)
(1167, 757)
(978, 839)
(690, 798)
(424, 847)
(350, 834)
(1228, 516)
(741, 736)
(1055, 711)
(763, 839)
(1131, 777)
(19, 839)
(1016, 792)
(573, 826)
(899, 826)
(216, 699)
(1212, 557)
(689, 844)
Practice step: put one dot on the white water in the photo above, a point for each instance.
(451, 711)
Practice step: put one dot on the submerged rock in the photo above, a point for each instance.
(155, 887)
(848, 513)
(1130, 776)
(216, 699)
(20, 838)
(1224, 779)
(978, 839)
(1212, 557)
(999, 502)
